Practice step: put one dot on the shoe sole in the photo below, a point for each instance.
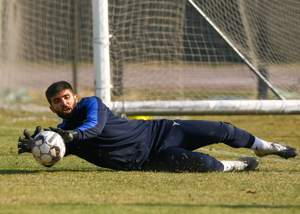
(251, 162)
(289, 153)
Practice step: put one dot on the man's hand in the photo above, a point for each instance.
(25, 143)
(67, 135)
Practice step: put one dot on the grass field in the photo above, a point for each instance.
(75, 186)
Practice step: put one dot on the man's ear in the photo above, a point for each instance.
(52, 109)
(75, 98)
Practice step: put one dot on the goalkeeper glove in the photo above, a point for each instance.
(25, 143)
(67, 135)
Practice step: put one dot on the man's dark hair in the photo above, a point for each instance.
(56, 88)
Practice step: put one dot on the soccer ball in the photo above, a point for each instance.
(48, 148)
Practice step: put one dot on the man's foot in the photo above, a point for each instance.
(242, 164)
(280, 149)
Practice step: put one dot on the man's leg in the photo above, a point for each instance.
(175, 159)
(196, 134)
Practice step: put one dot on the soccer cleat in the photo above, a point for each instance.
(242, 164)
(278, 148)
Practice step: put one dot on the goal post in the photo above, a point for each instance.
(101, 50)
(155, 57)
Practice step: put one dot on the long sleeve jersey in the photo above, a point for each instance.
(110, 141)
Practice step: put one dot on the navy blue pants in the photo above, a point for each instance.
(174, 152)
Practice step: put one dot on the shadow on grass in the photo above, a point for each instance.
(102, 170)
(177, 206)
(27, 171)
(237, 206)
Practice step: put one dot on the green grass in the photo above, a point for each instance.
(75, 186)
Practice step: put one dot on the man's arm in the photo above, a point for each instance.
(96, 118)
(94, 122)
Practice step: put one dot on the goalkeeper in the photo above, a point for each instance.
(92, 132)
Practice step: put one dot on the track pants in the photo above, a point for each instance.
(175, 152)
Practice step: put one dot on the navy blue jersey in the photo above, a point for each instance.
(110, 141)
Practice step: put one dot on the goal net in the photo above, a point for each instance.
(172, 54)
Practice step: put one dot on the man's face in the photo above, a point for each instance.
(64, 104)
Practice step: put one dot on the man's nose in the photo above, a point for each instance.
(64, 102)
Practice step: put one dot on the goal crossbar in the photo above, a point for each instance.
(207, 107)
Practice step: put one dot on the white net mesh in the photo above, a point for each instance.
(160, 50)
(38, 46)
